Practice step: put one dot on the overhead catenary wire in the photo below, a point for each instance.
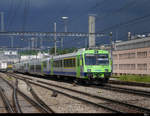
(10, 12)
(25, 14)
(100, 4)
(16, 7)
(119, 12)
(132, 4)
(125, 23)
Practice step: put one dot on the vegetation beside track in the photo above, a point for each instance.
(133, 78)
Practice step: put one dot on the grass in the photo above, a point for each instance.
(9, 78)
(134, 78)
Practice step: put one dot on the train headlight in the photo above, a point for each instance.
(106, 70)
(88, 70)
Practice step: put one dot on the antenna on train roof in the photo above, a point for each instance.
(93, 48)
(81, 49)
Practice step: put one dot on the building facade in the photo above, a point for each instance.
(132, 57)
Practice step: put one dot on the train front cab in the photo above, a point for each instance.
(93, 66)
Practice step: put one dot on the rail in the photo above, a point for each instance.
(34, 103)
(38, 99)
(15, 99)
(6, 102)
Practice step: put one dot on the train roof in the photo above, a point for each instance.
(68, 55)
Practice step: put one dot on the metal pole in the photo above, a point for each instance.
(62, 43)
(12, 41)
(65, 21)
(41, 43)
(111, 49)
(29, 43)
(55, 38)
(2, 21)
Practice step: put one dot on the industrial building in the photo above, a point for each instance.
(132, 56)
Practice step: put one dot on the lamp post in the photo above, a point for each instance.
(65, 22)
(65, 28)
(2, 21)
(55, 38)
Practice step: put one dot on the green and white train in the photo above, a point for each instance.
(84, 65)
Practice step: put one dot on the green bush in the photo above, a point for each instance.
(134, 78)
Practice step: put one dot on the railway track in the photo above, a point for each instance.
(42, 103)
(120, 89)
(124, 90)
(129, 83)
(113, 103)
(37, 105)
(16, 105)
(6, 102)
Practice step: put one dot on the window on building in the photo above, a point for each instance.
(127, 56)
(115, 56)
(123, 56)
(142, 66)
(131, 55)
(142, 54)
(120, 66)
(115, 66)
(132, 66)
(126, 66)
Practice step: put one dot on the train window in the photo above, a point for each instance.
(58, 63)
(82, 61)
(73, 62)
(96, 59)
(69, 62)
(78, 62)
(65, 63)
(32, 67)
(44, 64)
(38, 67)
(54, 64)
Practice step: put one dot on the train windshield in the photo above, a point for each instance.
(96, 59)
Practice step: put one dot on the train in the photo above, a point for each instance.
(86, 65)
(3, 66)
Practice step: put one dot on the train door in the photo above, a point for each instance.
(51, 69)
(41, 66)
(34, 63)
(48, 66)
(81, 64)
(78, 66)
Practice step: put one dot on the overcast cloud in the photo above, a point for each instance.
(40, 15)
